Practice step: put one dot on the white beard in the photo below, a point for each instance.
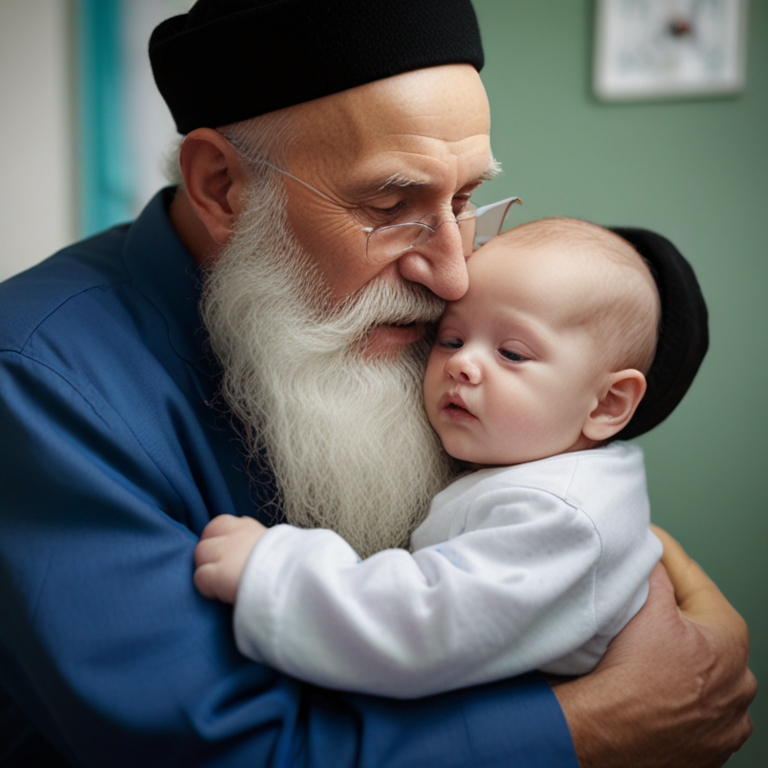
(345, 437)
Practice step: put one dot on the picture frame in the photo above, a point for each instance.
(664, 49)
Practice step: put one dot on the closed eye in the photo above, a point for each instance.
(383, 215)
(460, 204)
(513, 357)
(450, 343)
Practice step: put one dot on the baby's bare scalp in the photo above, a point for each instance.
(620, 298)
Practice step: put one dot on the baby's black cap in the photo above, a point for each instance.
(683, 330)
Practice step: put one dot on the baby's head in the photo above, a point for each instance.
(547, 352)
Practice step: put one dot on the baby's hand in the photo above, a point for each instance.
(221, 554)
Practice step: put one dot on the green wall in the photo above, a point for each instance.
(696, 171)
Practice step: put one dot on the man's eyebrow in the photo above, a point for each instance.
(386, 184)
(492, 171)
(400, 180)
(362, 190)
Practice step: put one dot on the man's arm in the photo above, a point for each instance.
(513, 593)
(107, 647)
(674, 687)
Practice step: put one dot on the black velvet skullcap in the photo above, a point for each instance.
(683, 331)
(230, 60)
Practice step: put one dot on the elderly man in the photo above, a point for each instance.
(330, 155)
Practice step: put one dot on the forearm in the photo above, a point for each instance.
(514, 593)
(117, 660)
(458, 614)
(132, 667)
(308, 606)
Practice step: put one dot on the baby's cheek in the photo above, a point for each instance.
(430, 377)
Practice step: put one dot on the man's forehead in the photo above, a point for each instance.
(447, 102)
(407, 131)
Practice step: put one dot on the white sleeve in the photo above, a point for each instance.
(504, 598)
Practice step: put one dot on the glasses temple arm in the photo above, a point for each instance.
(490, 219)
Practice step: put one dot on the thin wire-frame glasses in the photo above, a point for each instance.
(388, 242)
(476, 226)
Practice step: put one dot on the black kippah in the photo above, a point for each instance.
(230, 60)
(683, 333)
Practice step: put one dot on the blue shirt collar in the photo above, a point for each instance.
(168, 277)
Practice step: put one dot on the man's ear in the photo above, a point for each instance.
(215, 178)
(620, 395)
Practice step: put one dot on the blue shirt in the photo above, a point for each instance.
(112, 460)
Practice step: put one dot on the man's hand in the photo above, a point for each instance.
(221, 555)
(673, 689)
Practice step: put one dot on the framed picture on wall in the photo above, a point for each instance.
(650, 49)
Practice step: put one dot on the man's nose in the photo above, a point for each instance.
(439, 263)
(463, 367)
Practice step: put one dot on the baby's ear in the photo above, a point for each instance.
(620, 395)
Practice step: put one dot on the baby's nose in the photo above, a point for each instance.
(463, 368)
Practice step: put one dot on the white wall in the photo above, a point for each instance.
(37, 111)
(151, 133)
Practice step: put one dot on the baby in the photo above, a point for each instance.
(539, 556)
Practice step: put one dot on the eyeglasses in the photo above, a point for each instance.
(388, 242)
